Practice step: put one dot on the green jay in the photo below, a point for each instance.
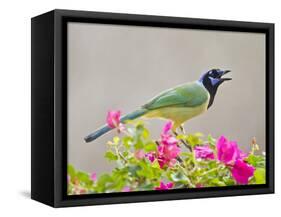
(177, 104)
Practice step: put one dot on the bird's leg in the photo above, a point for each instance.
(182, 129)
(175, 132)
(179, 160)
(183, 142)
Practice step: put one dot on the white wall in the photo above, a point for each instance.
(15, 106)
(123, 67)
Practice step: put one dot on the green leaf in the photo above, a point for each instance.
(71, 171)
(83, 177)
(104, 179)
(148, 171)
(127, 141)
(150, 146)
(260, 175)
(194, 140)
(228, 181)
(139, 144)
(256, 160)
(145, 133)
(217, 182)
(116, 140)
(211, 141)
(125, 154)
(181, 137)
(146, 187)
(133, 169)
(110, 156)
(138, 137)
(155, 164)
(178, 177)
(103, 182)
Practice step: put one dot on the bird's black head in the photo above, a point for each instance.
(212, 80)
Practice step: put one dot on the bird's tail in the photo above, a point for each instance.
(104, 129)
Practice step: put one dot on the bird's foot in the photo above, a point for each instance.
(182, 141)
(182, 129)
(175, 132)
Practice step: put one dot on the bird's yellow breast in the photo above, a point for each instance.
(178, 115)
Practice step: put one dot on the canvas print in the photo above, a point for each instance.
(156, 109)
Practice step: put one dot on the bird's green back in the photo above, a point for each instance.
(187, 95)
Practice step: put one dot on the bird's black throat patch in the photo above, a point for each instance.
(212, 89)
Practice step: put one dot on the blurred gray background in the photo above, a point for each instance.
(122, 67)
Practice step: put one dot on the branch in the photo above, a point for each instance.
(184, 142)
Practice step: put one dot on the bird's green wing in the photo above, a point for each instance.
(186, 95)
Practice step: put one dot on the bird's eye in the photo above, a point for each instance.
(214, 73)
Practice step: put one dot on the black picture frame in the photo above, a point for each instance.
(49, 107)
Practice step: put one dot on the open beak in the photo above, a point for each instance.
(223, 73)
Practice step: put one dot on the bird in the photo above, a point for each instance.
(178, 104)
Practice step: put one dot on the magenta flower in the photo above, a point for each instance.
(204, 152)
(199, 185)
(167, 154)
(242, 172)
(113, 119)
(150, 156)
(166, 137)
(241, 155)
(167, 127)
(168, 149)
(126, 189)
(169, 140)
(227, 150)
(164, 186)
(139, 154)
(93, 176)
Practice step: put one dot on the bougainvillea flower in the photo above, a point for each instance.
(113, 119)
(150, 156)
(166, 137)
(93, 176)
(199, 185)
(227, 150)
(167, 127)
(164, 186)
(204, 152)
(139, 154)
(83, 191)
(242, 172)
(241, 155)
(126, 189)
(162, 162)
(168, 151)
(169, 140)
(171, 162)
(166, 154)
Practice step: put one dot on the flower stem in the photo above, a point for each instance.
(120, 155)
(212, 170)
(187, 177)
